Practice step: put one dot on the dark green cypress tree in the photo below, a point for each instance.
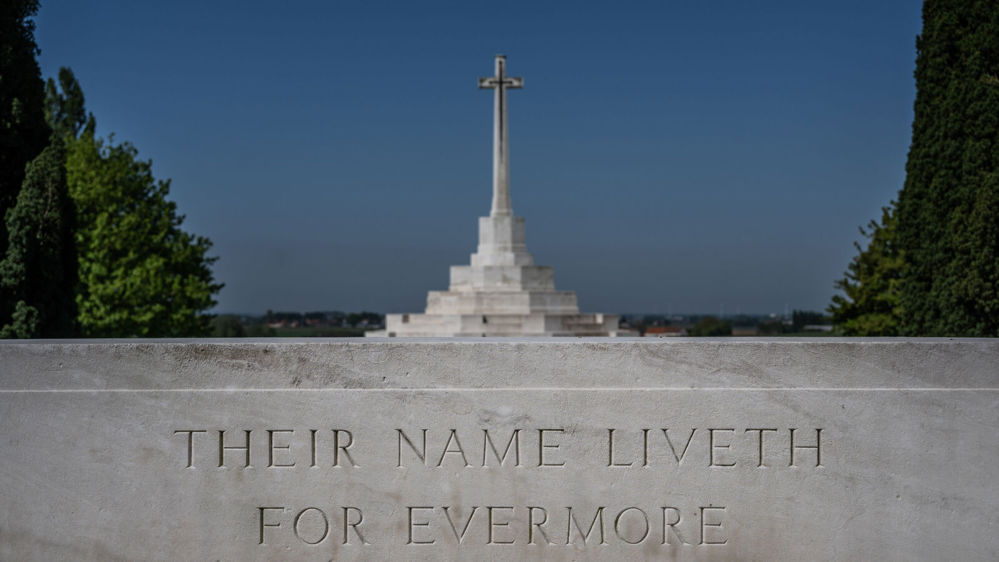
(23, 132)
(38, 274)
(948, 210)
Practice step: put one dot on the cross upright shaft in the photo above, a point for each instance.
(501, 142)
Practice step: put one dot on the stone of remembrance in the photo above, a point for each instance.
(500, 449)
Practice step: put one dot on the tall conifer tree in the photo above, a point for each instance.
(23, 133)
(948, 210)
(37, 254)
(38, 273)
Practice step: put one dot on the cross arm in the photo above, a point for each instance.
(493, 82)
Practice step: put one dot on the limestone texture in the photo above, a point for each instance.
(499, 449)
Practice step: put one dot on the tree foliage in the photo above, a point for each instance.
(141, 274)
(931, 268)
(94, 242)
(137, 272)
(23, 133)
(869, 303)
(65, 109)
(38, 273)
(948, 209)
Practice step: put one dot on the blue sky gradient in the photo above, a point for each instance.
(668, 156)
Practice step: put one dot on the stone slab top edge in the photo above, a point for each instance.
(524, 339)
(345, 364)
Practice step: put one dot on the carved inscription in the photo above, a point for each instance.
(519, 449)
(715, 445)
(771, 447)
(507, 524)
(310, 525)
(544, 448)
(281, 448)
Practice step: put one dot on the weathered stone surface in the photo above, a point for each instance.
(110, 450)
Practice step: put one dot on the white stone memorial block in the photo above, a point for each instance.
(821, 449)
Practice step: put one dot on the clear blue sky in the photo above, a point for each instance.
(668, 156)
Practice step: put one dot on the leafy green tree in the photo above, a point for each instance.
(65, 110)
(140, 273)
(869, 303)
(948, 209)
(38, 274)
(23, 133)
(709, 326)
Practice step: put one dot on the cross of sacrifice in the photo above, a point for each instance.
(501, 142)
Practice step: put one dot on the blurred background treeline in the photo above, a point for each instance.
(328, 324)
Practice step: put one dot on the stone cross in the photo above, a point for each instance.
(501, 142)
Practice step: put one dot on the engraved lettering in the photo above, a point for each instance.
(263, 524)
(645, 447)
(514, 441)
(503, 525)
(705, 525)
(347, 523)
(460, 536)
(610, 451)
(679, 457)
(223, 448)
(322, 517)
(712, 446)
(271, 447)
(493, 524)
(531, 524)
(572, 519)
(453, 438)
(312, 440)
(312, 526)
(542, 446)
(338, 446)
(413, 523)
(761, 430)
(817, 447)
(617, 525)
(190, 443)
(421, 453)
(672, 532)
